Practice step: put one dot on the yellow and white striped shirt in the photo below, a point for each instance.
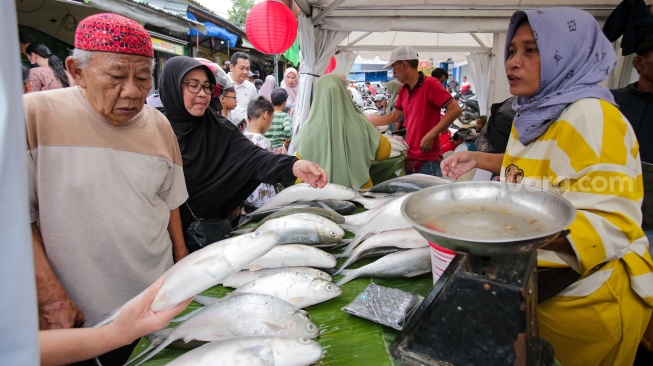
(590, 156)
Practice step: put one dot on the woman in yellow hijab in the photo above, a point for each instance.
(339, 137)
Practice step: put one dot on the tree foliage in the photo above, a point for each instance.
(239, 12)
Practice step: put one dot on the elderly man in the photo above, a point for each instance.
(419, 101)
(245, 90)
(105, 180)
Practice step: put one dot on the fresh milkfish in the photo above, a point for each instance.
(353, 223)
(326, 213)
(332, 226)
(408, 183)
(242, 315)
(253, 351)
(387, 219)
(206, 268)
(302, 231)
(407, 263)
(305, 192)
(237, 280)
(339, 206)
(372, 202)
(402, 239)
(299, 289)
(298, 207)
(293, 255)
(259, 215)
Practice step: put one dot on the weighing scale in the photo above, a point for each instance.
(483, 310)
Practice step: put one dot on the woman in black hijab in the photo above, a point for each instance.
(221, 166)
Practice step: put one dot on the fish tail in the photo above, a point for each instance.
(157, 349)
(348, 276)
(350, 247)
(344, 265)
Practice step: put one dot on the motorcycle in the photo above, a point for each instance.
(469, 105)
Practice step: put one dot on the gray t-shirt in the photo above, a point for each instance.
(102, 196)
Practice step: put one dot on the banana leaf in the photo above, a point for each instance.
(345, 338)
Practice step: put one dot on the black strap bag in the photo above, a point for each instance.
(203, 232)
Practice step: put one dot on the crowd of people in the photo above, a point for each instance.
(210, 143)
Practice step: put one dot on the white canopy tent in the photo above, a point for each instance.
(438, 29)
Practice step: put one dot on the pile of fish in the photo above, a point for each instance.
(278, 267)
(397, 144)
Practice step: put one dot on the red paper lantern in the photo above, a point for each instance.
(271, 27)
(332, 65)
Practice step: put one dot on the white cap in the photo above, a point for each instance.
(401, 53)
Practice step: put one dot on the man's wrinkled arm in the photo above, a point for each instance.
(56, 310)
(179, 250)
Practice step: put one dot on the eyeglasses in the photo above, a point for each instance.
(232, 97)
(195, 87)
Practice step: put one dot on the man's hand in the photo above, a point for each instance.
(426, 145)
(60, 313)
(310, 173)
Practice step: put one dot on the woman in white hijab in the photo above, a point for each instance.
(266, 90)
(290, 83)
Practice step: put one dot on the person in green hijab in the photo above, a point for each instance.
(339, 137)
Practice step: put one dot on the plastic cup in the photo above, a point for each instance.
(440, 259)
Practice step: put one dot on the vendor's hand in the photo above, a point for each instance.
(60, 313)
(370, 117)
(136, 319)
(310, 173)
(426, 145)
(458, 164)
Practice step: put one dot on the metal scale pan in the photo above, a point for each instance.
(488, 218)
(483, 310)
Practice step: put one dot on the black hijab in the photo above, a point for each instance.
(221, 166)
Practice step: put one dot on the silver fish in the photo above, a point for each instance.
(386, 219)
(299, 289)
(403, 239)
(237, 280)
(326, 213)
(332, 226)
(372, 202)
(253, 351)
(289, 210)
(408, 183)
(408, 263)
(339, 206)
(293, 255)
(300, 231)
(242, 315)
(353, 223)
(305, 192)
(207, 267)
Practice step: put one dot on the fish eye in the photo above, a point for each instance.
(332, 233)
(329, 287)
(304, 340)
(310, 327)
